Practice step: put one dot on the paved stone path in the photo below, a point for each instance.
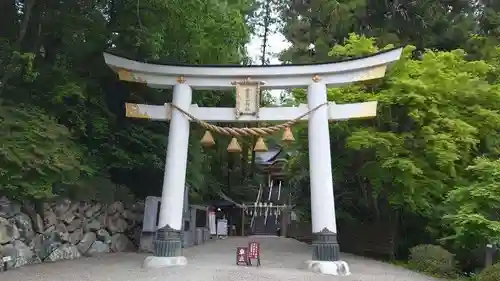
(282, 259)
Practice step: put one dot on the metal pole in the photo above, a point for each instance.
(242, 222)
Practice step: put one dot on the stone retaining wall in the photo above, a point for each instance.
(66, 230)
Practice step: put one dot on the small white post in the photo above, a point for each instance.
(168, 243)
(325, 246)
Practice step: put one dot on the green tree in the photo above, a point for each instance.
(52, 64)
(435, 116)
(313, 27)
(475, 205)
(36, 152)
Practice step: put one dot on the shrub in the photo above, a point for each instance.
(433, 260)
(491, 273)
(99, 189)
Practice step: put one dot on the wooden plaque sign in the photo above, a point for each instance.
(247, 98)
(253, 252)
(241, 256)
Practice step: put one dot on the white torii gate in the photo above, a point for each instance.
(316, 77)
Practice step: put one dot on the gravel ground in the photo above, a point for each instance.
(282, 260)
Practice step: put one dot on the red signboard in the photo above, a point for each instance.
(253, 252)
(241, 256)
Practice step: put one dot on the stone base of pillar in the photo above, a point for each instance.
(325, 246)
(159, 262)
(167, 249)
(326, 254)
(167, 242)
(336, 268)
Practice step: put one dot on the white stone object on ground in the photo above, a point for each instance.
(159, 262)
(336, 268)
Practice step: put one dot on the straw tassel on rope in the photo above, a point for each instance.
(234, 146)
(234, 132)
(288, 135)
(207, 140)
(260, 145)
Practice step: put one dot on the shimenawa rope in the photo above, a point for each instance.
(253, 131)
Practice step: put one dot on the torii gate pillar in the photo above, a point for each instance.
(167, 245)
(324, 228)
(316, 77)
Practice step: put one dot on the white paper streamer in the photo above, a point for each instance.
(279, 190)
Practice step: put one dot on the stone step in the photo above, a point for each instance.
(263, 228)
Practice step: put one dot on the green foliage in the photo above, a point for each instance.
(475, 205)
(433, 115)
(36, 152)
(429, 125)
(97, 189)
(433, 260)
(313, 27)
(491, 273)
(356, 46)
(430, 152)
(77, 102)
